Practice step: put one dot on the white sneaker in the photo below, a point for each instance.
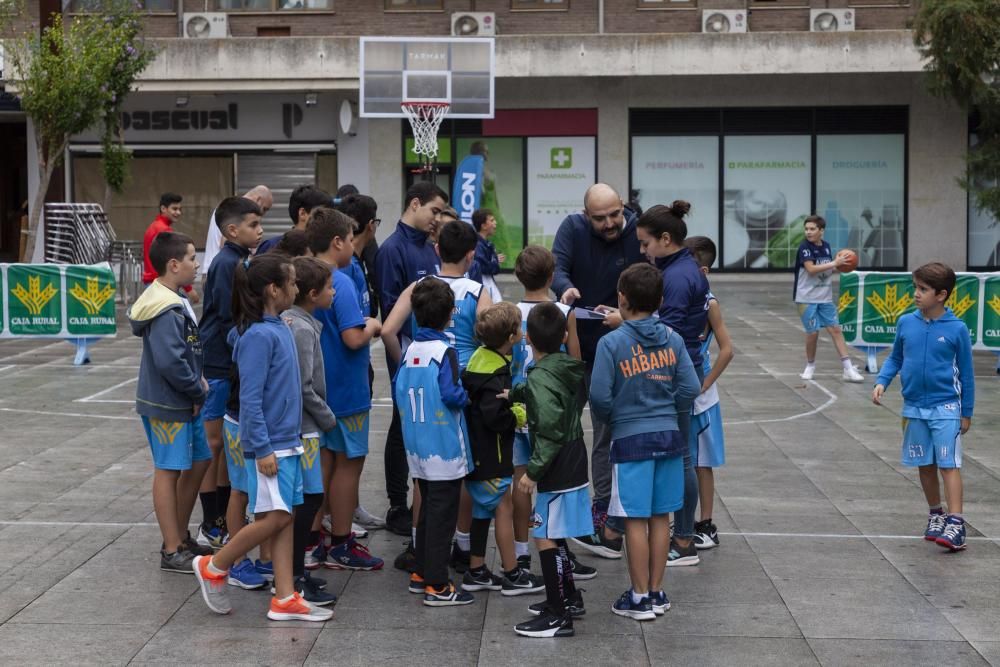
(363, 517)
(851, 374)
(359, 531)
(808, 373)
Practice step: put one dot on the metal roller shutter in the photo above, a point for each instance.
(282, 172)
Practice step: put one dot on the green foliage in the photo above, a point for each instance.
(960, 39)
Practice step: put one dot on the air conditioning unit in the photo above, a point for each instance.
(473, 24)
(831, 20)
(724, 20)
(206, 25)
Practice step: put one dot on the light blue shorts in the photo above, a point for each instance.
(236, 464)
(486, 495)
(349, 436)
(708, 445)
(312, 469)
(641, 489)
(816, 316)
(281, 492)
(522, 449)
(562, 514)
(215, 402)
(932, 441)
(176, 445)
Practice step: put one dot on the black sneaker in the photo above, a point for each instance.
(406, 561)
(316, 581)
(599, 545)
(313, 594)
(680, 556)
(574, 606)
(484, 581)
(546, 624)
(459, 559)
(523, 583)
(524, 562)
(449, 596)
(178, 562)
(581, 571)
(399, 520)
(706, 535)
(192, 545)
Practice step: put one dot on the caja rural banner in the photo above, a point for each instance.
(57, 300)
(871, 303)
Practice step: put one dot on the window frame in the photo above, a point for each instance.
(75, 10)
(412, 10)
(563, 7)
(779, 4)
(274, 10)
(665, 5)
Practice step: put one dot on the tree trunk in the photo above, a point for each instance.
(45, 170)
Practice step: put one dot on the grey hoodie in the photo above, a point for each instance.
(170, 374)
(316, 414)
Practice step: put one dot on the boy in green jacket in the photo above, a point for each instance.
(558, 467)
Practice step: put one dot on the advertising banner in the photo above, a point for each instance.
(57, 301)
(468, 189)
(768, 184)
(501, 191)
(669, 168)
(560, 169)
(871, 303)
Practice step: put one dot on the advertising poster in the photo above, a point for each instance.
(502, 190)
(57, 301)
(560, 169)
(991, 312)
(859, 192)
(768, 182)
(669, 168)
(847, 306)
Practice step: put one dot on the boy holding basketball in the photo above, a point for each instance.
(933, 355)
(813, 294)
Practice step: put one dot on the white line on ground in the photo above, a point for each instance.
(34, 350)
(7, 368)
(93, 398)
(831, 399)
(65, 414)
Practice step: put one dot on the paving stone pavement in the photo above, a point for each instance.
(820, 562)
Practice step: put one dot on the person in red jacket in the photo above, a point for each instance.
(170, 212)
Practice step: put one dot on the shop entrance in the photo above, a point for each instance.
(13, 186)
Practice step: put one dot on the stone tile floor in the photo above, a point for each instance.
(820, 562)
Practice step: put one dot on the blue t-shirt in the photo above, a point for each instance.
(461, 329)
(357, 275)
(347, 390)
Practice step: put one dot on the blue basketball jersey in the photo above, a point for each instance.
(461, 329)
(435, 435)
(521, 355)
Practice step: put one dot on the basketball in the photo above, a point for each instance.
(852, 260)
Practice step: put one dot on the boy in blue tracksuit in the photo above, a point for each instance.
(933, 355)
(430, 400)
(170, 394)
(486, 264)
(643, 377)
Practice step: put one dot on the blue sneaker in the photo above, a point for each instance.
(212, 537)
(640, 611)
(953, 537)
(661, 605)
(352, 556)
(265, 570)
(245, 575)
(935, 526)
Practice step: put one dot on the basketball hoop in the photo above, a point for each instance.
(425, 119)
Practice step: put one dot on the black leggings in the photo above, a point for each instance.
(304, 515)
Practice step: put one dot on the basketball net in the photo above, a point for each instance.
(425, 119)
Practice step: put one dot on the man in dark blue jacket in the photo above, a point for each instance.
(592, 248)
(404, 257)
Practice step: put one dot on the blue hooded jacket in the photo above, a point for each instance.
(685, 300)
(642, 378)
(934, 360)
(591, 264)
(486, 261)
(404, 257)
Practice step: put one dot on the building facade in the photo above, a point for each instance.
(757, 129)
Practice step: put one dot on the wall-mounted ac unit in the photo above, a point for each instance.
(724, 20)
(206, 25)
(831, 20)
(473, 24)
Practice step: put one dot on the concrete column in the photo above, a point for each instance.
(385, 154)
(612, 134)
(353, 160)
(937, 228)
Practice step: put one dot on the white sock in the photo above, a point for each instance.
(637, 597)
(464, 540)
(213, 569)
(846, 362)
(520, 549)
(810, 364)
(413, 535)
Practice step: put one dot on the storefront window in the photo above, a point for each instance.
(984, 231)
(560, 169)
(859, 191)
(501, 189)
(669, 168)
(768, 187)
